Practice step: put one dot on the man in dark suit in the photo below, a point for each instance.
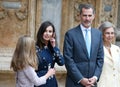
(84, 66)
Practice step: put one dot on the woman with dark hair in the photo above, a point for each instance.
(47, 52)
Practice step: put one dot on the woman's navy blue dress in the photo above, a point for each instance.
(47, 59)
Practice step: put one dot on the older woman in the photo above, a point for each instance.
(110, 76)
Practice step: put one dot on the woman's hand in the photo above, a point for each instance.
(52, 41)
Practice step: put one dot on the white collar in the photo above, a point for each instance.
(83, 28)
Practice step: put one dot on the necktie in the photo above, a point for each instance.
(88, 42)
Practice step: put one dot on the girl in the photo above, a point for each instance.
(24, 64)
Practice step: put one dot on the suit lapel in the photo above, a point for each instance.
(93, 41)
(81, 39)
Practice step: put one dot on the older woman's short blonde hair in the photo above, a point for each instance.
(106, 25)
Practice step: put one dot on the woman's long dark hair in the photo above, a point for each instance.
(40, 41)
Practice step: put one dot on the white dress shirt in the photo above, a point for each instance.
(84, 31)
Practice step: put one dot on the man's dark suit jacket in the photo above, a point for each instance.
(77, 63)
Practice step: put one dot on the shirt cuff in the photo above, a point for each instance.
(95, 77)
(79, 81)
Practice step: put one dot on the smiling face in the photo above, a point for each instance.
(47, 35)
(87, 17)
(108, 35)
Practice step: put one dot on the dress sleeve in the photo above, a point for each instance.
(58, 56)
(32, 76)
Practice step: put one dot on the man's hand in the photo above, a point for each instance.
(85, 82)
(92, 81)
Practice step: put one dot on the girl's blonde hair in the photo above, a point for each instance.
(24, 54)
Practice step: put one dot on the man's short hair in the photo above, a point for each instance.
(86, 6)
